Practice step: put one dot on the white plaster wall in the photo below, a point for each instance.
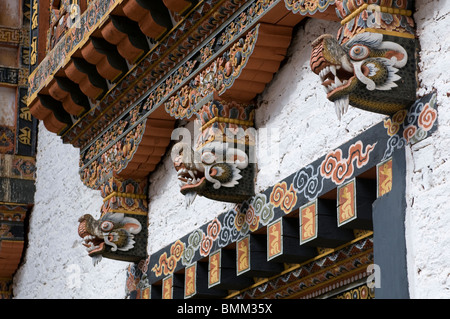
(56, 264)
(428, 163)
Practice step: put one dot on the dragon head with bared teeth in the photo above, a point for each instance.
(217, 171)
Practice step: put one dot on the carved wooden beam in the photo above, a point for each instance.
(52, 113)
(283, 238)
(110, 65)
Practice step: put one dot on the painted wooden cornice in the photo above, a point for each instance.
(17, 146)
(108, 72)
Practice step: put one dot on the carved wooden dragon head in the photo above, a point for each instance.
(371, 65)
(218, 166)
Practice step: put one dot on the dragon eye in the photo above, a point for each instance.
(106, 226)
(359, 52)
(208, 158)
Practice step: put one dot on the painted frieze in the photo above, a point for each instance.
(164, 58)
(167, 288)
(143, 74)
(190, 283)
(217, 77)
(274, 240)
(346, 202)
